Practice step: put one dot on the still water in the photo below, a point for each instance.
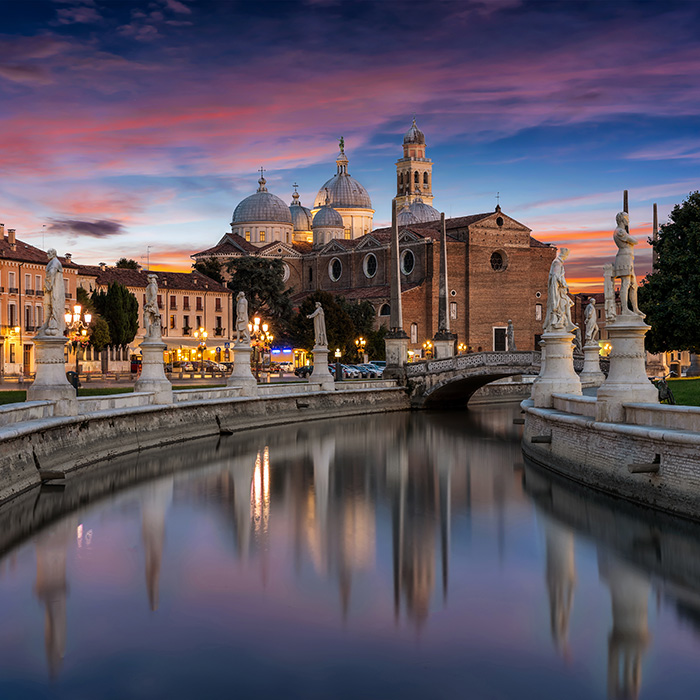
(395, 556)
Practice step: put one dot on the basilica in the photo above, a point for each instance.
(497, 272)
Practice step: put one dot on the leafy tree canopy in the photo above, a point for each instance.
(211, 267)
(670, 295)
(339, 326)
(120, 309)
(127, 263)
(99, 333)
(261, 280)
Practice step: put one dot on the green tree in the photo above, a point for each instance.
(211, 267)
(262, 281)
(670, 295)
(127, 263)
(120, 309)
(362, 315)
(376, 347)
(99, 333)
(339, 326)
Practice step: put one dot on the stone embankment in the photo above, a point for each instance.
(34, 443)
(651, 457)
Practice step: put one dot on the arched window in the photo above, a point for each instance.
(538, 312)
(425, 178)
(416, 177)
(414, 332)
(385, 310)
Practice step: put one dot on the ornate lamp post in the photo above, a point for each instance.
(338, 368)
(360, 345)
(462, 348)
(77, 324)
(260, 339)
(428, 348)
(202, 348)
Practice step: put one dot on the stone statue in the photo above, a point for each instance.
(341, 143)
(242, 330)
(624, 264)
(511, 336)
(151, 315)
(558, 301)
(54, 297)
(609, 287)
(591, 320)
(319, 317)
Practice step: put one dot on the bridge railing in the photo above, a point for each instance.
(525, 358)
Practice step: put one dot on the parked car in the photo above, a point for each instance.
(370, 371)
(351, 372)
(379, 363)
(304, 371)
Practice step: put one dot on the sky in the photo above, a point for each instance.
(134, 128)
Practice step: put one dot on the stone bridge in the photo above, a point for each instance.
(452, 381)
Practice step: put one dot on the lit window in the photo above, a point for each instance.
(247, 236)
(262, 236)
(348, 234)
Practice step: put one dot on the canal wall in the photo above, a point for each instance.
(32, 440)
(653, 458)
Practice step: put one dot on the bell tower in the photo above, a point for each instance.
(414, 172)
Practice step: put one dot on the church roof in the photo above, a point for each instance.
(301, 216)
(343, 191)
(262, 206)
(414, 134)
(327, 217)
(230, 244)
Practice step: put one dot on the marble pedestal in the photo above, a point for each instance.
(591, 374)
(321, 373)
(627, 380)
(242, 376)
(396, 345)
(694, 369)
(443, 345)
(558, 376)
(50, 383)
(152, 377)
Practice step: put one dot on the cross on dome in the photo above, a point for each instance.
(262, 181)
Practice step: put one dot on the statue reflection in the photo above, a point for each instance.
(157, 497)
(561, 580)
(51, 587)
(629, 637)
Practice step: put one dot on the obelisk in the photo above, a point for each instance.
(396, 341)
(443, 341)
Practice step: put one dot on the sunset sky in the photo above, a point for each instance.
(125, 125)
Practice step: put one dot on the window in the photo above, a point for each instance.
(369, 265)
(408, 262)
(38, 285)
(538, 312)
(12, 314)
(425, 178)
(335, 269)
(185, 325)
(199, 322)
(599, 314)
(247, 236)
(27, 317)
(39, 315)
(385, 310)
(173, 302)
(285, 272)
(172, 321)
(499, 339)
(199, 303)
(453, 309)
(262, 236)
(311, 275)
(217, 304)
(499, 221)
(414, 332)
(27, 282)
(416, 178)
(348, 234)
(12, 353)
(218, 321)
(160, 301)
(499, 262)
(186, 303)
(11, 282)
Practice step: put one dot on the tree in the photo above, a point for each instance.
(99, 334)
(262, 281)
(120, 309)
(211, 267)
(339, 326)
(362, 314)
(670, 295)
(127, 263)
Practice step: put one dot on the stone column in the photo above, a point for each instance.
(543, 360)
(559, 376)
(627, 380)
(443, 341)
(591, 374)
(242, 376)
(321, 374)
(396, 341)
(152, 377)
(50, 383)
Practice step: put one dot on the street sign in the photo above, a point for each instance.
(227, 345)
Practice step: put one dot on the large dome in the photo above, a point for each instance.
(414, 134)
(423, 212)
(262, 206)
(343, 191)
(301, 216)
(327, 217)
(405, 217)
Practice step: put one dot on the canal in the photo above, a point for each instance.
(405, 555)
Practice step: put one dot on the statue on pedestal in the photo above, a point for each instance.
(591, 321)
(577, 340)
(558, 301)
(54, 297)
(319, 317)
(624, 264)
(151, 315)
(242, 330)
(609, 287)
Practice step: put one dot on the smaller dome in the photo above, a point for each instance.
(327, 217)
(405, 217)
(414, 134)
(423, 212)
(301, 216)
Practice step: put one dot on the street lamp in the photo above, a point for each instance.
(428, 348)
(77, 324)
(201, 333)
(260, 340)
(462, 348)
(360, 345)
(338, 368)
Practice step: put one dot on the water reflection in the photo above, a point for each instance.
(389, 517)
